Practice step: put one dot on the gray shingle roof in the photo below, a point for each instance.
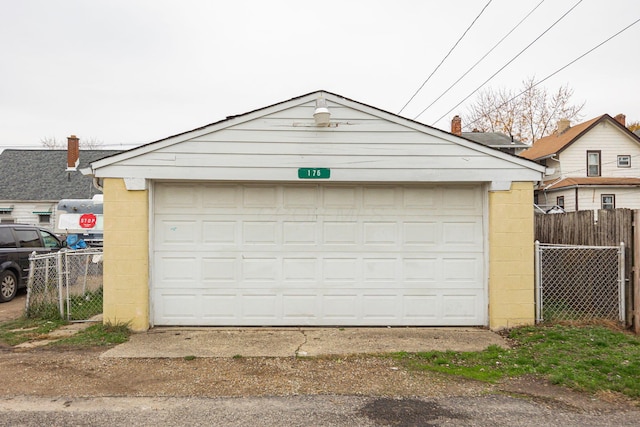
(494, 139)
(41, 175)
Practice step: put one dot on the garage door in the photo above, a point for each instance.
(245, 254)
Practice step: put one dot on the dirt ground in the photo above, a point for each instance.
(14, 308)
(55, 372)
(63, 372)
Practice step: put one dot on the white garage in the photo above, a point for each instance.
(272, 254)
(319, 210)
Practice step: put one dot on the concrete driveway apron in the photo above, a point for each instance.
(171, 342)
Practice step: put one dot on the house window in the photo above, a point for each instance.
(593, 163)
(608, 201)
(44, 217)
(5, 216)
(560, 201)
(624, 161)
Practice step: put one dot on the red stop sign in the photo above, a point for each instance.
(88, 220)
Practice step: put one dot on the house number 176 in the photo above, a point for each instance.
(314, 173)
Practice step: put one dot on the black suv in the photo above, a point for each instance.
(17, 242)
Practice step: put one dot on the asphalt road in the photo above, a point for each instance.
(494, 410)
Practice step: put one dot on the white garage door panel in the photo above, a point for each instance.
(317, 255)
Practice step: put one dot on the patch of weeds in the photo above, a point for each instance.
(86, 305)
(237, 356)
(16, 332)
(98, 335)
(190, 357)
(587, 358)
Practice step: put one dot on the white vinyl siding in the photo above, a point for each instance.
(23, 212)
(611, 142)
(549, 198)
(357, 147)
(591, 197)
(318, 254)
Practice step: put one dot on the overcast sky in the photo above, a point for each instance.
(128, 72)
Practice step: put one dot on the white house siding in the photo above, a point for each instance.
(358, 147)
(626, 197)
(549, 198)
(611, 142)
(554, 165)
(22, 212)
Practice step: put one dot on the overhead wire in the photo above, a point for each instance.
(557, 71)
(510, 61)
(481, 59)
(446, 56)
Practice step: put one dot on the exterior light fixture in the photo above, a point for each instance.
(321, 115)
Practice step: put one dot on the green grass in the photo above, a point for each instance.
(587, 358)
(16, 332)
(86, 305)
(98, 335)
(82, 307)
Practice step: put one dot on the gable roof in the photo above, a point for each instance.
(288, 127)
(41, 175)
(555, 143)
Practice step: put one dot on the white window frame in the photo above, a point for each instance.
(596, 164)
(624, 161)
(607, 205)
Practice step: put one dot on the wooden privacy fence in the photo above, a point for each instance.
(607, 227)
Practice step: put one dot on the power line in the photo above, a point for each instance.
(510, 61)
(558, 70)
(481, 59)
(446, 56)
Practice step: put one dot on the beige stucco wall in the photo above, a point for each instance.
(126, 255)
(511, 268)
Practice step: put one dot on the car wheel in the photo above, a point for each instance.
(8, 286)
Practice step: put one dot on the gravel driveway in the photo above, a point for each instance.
(70, 387)
(58, 386)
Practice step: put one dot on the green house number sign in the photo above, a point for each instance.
(314, 173)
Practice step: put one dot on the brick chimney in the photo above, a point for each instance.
(456, 125)
(73, 152)
(563, 125)
(622, 119)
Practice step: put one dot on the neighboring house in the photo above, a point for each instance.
(497, 140)
(32, 182)
(592, 165)
(319, 210)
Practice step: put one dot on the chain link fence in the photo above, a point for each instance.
(579, 282)
(67, 284)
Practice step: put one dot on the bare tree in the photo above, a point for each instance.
(51, 143)
(525, 115)
(91, 143)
